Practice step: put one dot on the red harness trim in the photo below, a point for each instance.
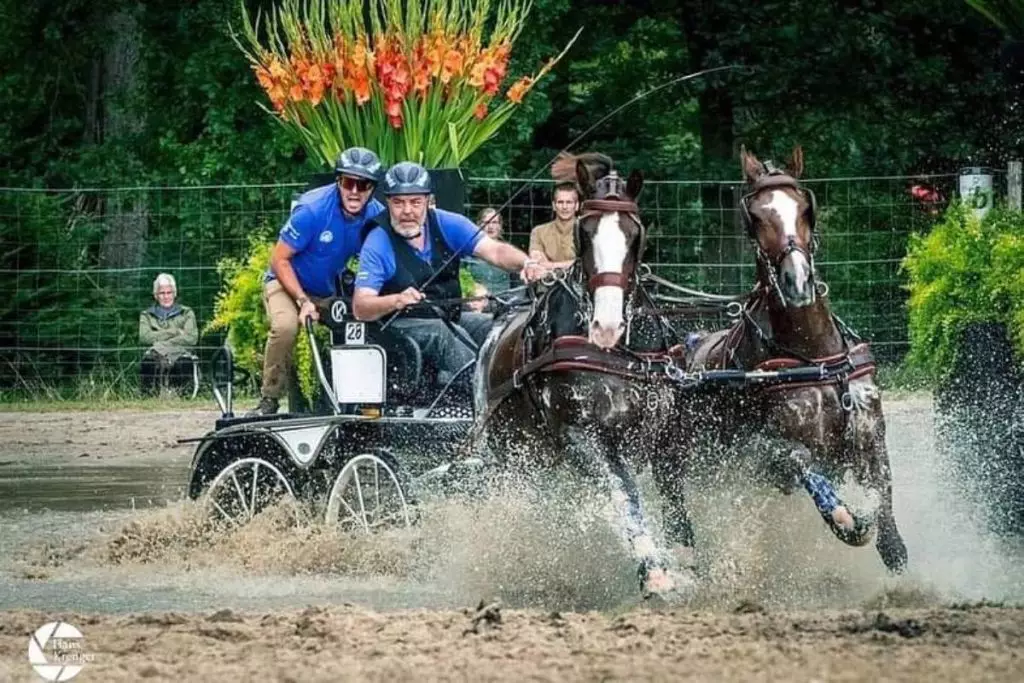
(860, 357)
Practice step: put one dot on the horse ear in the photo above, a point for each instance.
(752, 168)
(796, 162)
(584, 180)
(634, 184)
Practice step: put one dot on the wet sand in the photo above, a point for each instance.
(157, 599)
(338, 644)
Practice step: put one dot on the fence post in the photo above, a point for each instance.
(1013, 185)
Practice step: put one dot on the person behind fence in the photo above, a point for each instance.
(169, 330)
(555, 240)
(322, 233)
(488, 279)
(413, 244)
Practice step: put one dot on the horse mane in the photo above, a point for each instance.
(564, 168)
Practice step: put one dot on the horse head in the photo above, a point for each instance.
(779, 216)
(610, 240)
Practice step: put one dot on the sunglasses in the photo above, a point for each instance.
(358, 184)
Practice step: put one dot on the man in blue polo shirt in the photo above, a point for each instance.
(321, 235)
(413, 244)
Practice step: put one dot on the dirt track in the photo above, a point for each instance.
(756, 628)
(351, 644)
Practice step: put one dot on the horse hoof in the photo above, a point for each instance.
(849, 527)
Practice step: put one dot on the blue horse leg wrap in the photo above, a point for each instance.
(824, 496)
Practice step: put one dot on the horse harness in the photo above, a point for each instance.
(573, 352)
(774, 178)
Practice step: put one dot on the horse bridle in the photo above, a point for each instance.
(609, 191)
(776, 179)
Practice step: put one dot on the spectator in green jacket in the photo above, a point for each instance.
(169, 330)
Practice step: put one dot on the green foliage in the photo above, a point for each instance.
(305, 368)
(239, 311)
(59, 304)
(964, 271)
(1006, 14)
(467, 285)
(239, 308)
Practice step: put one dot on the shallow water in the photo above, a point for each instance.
(65, 487)
(70, 541)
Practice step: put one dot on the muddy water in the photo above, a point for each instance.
(63, 487)
(70, 539)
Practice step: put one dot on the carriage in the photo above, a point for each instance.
(552, 372)
(381, 421)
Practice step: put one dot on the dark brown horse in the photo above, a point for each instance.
(808, 433)
(570, 382)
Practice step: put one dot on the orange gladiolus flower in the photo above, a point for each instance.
(481, 111)
(519, 89)
(277, 70)
(361, 88)
(264, 77)
(316, 93)
(452, 64)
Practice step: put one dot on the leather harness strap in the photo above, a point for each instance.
(577, 353)
(608, 279)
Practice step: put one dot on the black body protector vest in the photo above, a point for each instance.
(412, 271)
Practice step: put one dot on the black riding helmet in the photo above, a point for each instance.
(406, 177)
(358, 162)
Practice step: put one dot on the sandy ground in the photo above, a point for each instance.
(128, 437)
(975, 644)
(921, 639)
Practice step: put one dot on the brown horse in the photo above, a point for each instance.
(807, 433)
(569, 382)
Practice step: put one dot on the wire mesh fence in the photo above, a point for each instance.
(77, 266)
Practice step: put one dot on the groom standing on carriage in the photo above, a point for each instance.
(410, 264)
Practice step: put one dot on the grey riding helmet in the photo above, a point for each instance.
(406, 177)
(359, 162)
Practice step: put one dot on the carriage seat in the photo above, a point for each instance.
(408, 377)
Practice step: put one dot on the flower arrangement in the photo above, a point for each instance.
(414, 80)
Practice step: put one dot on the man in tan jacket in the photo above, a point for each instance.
(554, 241)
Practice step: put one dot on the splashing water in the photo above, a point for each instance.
(549, 548)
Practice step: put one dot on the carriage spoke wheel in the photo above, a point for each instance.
(245, 488)
(367, 497)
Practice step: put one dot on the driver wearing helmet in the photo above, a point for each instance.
(413, 244)
(322, 233)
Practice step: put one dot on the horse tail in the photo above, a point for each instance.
(563, 170)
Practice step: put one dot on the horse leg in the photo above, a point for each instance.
(670, 470)
(871, 458)
(889, 543)
(790, 465)
(595, 454)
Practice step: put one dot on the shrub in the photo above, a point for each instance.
(964, 271)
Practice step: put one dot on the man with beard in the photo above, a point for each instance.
(414, 243)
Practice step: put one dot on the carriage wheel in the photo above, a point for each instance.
(245, 488)
(367, 496)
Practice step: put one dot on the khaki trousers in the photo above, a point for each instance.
(284, 328)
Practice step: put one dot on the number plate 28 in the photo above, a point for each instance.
(355, 333)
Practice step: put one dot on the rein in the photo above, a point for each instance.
(573, 143)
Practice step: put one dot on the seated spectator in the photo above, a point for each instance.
(489, 279)
(554, 241)
(169, 330)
